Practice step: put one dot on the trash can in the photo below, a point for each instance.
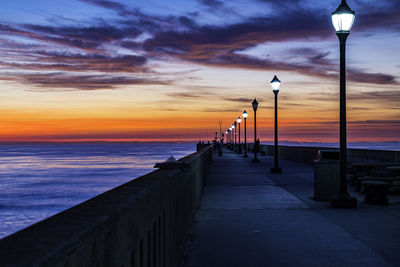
(326, 175)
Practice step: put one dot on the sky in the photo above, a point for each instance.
(157, 70)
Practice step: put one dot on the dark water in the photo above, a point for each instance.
(37, 181)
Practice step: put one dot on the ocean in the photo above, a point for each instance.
(40, 180)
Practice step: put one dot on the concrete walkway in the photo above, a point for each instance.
(249, 217)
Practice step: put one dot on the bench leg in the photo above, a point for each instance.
(381, 197)
(376, 195)
(368, 195)
(358, 185)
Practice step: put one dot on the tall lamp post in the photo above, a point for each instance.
(255, 106)
(275, 84)
(342, 20)
(220, 131)
(239, 121)
(245, 133)
(227, 138)
(231, 134)
(234, 127)
(230, 137)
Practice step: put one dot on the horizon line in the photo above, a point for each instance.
(170, 141)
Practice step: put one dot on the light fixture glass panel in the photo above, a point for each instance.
(343, 21)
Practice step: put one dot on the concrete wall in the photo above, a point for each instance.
(141, 223)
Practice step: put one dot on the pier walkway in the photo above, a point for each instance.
(249, 217)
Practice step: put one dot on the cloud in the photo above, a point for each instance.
(10, 30)
(133, 16)
(191, 95)
(391, 96)
(358, 108)
(87, 39)
(94, 33)
(242, 100)
(376, 122)
(279, 2)
(376, 78)
(80, 62)
(371, 15)
(312, 56)
(170, 109)
(178, 38)
(238, 36)
(62, 81)
(218, 110)
(212, 3)
(387, 96)
(118, 7)
(219, 46)
(282, 3)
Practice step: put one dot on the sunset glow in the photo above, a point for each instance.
(119, 70)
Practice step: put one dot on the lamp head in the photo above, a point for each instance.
(275, 84)
(245, 114)
(343, 18)
(255, 104)
(239, 120)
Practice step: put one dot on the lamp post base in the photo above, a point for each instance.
(256, 160)
(276, 170)
(344, 202)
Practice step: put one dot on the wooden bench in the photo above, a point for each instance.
(379, 169)
(395, 169)
(376, 192)
(359, 180)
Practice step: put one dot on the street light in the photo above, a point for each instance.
(230, 137)
(239, 120)
(227, 137)
(255, 106)
(342, 20)
(231, 134)
(275, 84)
(234, 127)
(245, 133)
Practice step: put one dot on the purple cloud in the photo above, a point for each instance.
(212, 3)
(182, 38)
(79, 62)
(59, 80)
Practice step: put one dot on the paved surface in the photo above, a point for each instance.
(249, 217)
